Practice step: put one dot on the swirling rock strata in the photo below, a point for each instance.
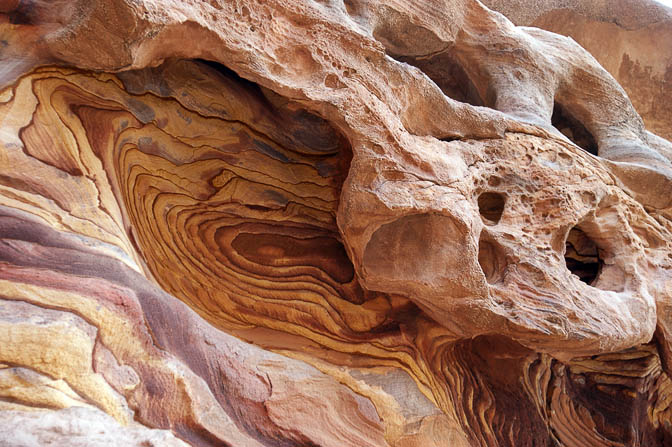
(360, 223)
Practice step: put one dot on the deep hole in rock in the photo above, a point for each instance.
(491, 206)
(582, 256)
(413, 44)
(573, 129)
(408, 42)
(449, 76)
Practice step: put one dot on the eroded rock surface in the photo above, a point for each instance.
(327, 224)
(630, 38)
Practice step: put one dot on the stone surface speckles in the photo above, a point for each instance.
(356, 223)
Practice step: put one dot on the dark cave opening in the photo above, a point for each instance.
(573, 129)
(448, 75)
(582, 256)
(491, 207)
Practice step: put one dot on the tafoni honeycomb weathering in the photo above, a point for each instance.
(335, 223)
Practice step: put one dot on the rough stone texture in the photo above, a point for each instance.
(629, 38)
(77, 426)
(356, 223)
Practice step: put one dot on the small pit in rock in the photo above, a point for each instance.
(491, 207)
(573, 129)
(582, 256)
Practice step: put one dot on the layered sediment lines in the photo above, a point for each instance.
(402, 226)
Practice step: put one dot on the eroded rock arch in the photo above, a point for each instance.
(312, 178)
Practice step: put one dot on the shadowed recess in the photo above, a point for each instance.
(491, 258)
(491, 206)
(573, 129)
(235, 209)
(582, 256)
(449, 76)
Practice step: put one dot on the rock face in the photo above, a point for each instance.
(629, 38)
(334, 223)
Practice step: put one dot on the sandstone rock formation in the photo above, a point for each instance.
(331, 223)
(629, 38)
